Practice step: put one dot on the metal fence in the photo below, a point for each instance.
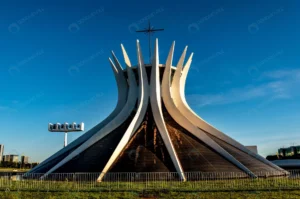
(196, 181)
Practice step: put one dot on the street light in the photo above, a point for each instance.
(66, 128)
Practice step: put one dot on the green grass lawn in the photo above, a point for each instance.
(13, 188)
(150, 195)
(209, 185)
(13, 170)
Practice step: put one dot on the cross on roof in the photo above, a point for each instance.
(150, 30)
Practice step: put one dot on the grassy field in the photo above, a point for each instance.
(13, 170)
(209, 185)
(12, 187)
(150, 195)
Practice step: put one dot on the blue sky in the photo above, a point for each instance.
(244, 79)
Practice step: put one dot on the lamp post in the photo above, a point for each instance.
(66, 128)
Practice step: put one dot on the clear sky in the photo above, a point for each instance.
(244, 79)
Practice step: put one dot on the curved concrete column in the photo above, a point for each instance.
(178, 95)
(122, 98)
(143, 88)
(185, 123)
(126, 58)
(112, 125)
(155, 101)
(140, 113)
